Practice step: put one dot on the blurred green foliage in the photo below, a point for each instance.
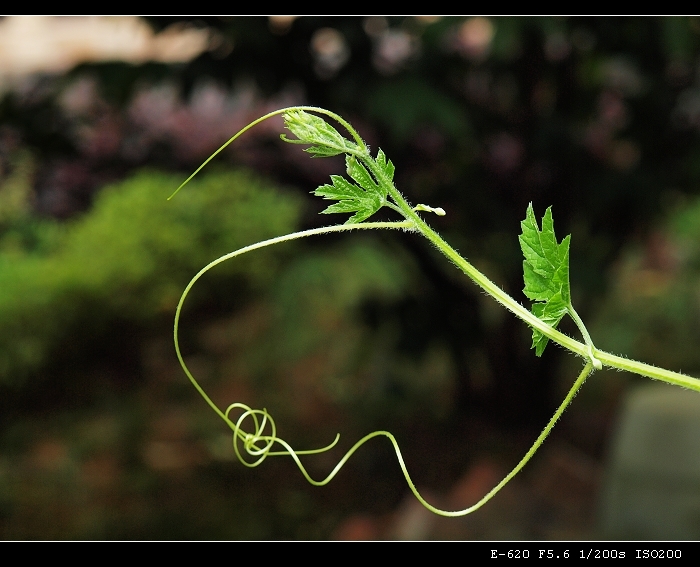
(127, 260)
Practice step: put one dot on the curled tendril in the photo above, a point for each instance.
(259, 444)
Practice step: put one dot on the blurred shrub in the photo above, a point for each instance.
(129, 259)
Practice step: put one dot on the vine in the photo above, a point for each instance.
(370, 188)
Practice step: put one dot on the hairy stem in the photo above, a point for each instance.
(585, 350)
(586, 337)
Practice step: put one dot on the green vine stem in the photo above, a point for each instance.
(259, 444)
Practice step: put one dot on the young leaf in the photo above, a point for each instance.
(385, 165)
(363, 199)
(546, 272)
(325, 140)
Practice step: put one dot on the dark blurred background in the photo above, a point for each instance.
(101, 434)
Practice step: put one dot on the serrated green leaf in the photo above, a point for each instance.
(325, 140)
(386, 166)
(364, 199)
(361, 213)
(323, 151)
(551, 313)
(340, 189)
(546, 272)
(363, 178)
